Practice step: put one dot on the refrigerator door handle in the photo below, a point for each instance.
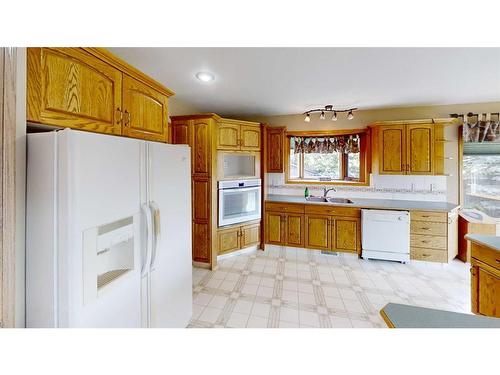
(146, 211)
(156, 230)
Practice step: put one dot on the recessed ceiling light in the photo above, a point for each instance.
(205, 76)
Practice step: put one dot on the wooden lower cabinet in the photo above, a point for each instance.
(285, 229)
(485, 281)
(318, 232)
(346, 234)
(238, 237)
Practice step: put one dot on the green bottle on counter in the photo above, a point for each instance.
(306, 192)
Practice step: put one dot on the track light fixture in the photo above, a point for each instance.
(329, 108)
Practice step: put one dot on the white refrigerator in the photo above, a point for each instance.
(108, 232)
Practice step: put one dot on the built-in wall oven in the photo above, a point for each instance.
(239, 201)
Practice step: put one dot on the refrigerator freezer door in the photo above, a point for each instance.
(99, 184)
(171, 271)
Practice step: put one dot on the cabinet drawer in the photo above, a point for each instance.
(285, 207)
(432, 242)
(434, 229)
(440, 217)
(430, 255)
(333, 211)
(486, 255)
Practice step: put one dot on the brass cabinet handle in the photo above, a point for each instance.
(425, 228)
(127, 119)
(120, 117)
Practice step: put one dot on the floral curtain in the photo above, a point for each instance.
(325, 145)
(481, 130)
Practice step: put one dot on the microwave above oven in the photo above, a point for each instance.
(239, 201)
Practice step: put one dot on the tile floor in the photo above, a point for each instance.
(290, 288)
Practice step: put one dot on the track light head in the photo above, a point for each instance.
(334, 117)
(350, 116)
(322, 116)
(308, 118)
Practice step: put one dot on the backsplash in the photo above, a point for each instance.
(426, 188)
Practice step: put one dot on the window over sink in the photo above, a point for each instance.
(328, 157)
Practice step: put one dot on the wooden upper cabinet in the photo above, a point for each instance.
(201, 150)
(275, 144)
(238, 135)
(145, 111)
(228, 136)
(392, 149)
(420, 148)
(180, 133)
(250, 137)
(90, 89)
(68, 87)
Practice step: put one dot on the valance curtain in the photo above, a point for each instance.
(325, 145)
(481, 130)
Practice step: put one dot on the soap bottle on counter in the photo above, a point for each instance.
(306, 192)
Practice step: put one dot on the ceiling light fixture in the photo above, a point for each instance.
(205, 76)
(329, 108)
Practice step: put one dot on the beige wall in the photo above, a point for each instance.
(178, 107)
(363, 117)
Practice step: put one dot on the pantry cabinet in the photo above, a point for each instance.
(238, 135)
(90, 89)
(409, 147)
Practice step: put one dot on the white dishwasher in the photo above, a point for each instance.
(385, 235)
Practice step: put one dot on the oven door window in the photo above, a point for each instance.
(240, 205)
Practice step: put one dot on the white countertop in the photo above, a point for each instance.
(391, 204)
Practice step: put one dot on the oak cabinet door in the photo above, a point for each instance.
(229, 240)
(145, 111)
(249, 138)
(180, 133)
(228, 136)
(488, 293)
(250, 235)
(275, 144)
(201, 242)
(420, 149)
(317, 232)
(274, 228)
(347, 234)
(201, 150)
(294, 230)
(201, 198)
(392, 149)
(68, 87)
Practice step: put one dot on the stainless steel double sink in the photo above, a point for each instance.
(329, 200)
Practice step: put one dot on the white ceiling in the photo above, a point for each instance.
(273, 81)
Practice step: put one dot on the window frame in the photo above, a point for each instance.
(364, 159)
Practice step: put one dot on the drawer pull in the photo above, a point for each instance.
(426, 228)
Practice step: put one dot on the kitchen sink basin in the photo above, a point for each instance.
(329, 200)
(316, 199)
(339, 200)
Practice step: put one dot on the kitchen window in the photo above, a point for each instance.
(481, 177)
(328, 158)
